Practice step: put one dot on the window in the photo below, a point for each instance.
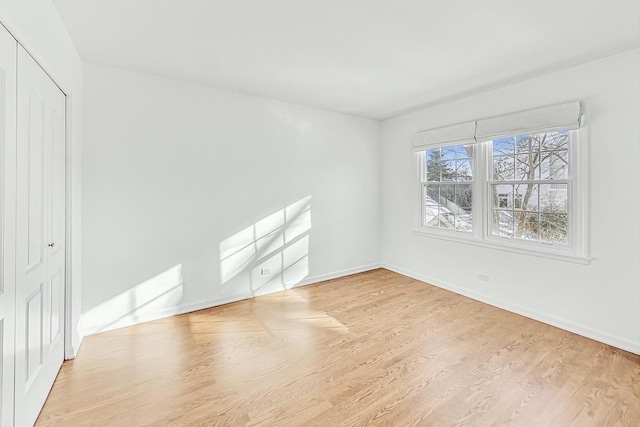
(447, 187)
(503, 184)
(529, 187)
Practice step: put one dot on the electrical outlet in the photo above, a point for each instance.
(483, 277)
(267, 271)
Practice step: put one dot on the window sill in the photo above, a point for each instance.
(472, 240)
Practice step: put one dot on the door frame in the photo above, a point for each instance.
(8, 173)
(71, 345)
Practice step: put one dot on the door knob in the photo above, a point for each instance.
(51, 244)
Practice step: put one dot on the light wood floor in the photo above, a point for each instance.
(375, 348)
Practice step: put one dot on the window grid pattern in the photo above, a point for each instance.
(447, 180)
(529, 188)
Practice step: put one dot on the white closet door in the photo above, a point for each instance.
(7, 221)
(40, 238)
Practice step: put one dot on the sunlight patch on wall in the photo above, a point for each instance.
(274, 250)
(144, 302)
(286, 268)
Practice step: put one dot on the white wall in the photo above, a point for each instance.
(37, 26)
(174, 172)
(600, 300)
(171, 170)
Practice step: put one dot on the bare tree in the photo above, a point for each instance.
(526, 162)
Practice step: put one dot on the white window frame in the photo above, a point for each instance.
(577, 232)
(476, 224)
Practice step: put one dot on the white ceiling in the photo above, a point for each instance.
(372, 58)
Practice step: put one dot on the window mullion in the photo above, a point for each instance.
(486, 190)
(479, 191)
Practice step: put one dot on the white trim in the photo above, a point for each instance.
(70, 349)
(419, 214)
(577, 233)
(34, 53)
(575, 247)
(75, 347)
(579, 170)
(475, 183)
(201, 305)
(566, 325)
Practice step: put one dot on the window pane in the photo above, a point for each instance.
(558, 168)
(554, 164)
(503, 168)
(430, 203)
(463, 151)
(464, 222)
(526, 225)
(553, 198)
(502, 196)
(526, 197)
(553, 141)
(463, 170)
(434, 165)
(540, 156)
(553, 228)
(431, 194)
(502, 223)
(532, 225)
(503, 146)
(527, 143)
(448, 170)
(463, 203)
(525, 166)
(453, 163)
(468, 153)
(463, 196)
(448, 193)
(449, 153)
(448, 206)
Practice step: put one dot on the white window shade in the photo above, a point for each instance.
(462, 133)
(547, 119)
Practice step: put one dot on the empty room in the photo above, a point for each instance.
(320, 213)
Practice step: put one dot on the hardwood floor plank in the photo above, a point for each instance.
(375, 348)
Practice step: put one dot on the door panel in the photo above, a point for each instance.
(34, 332)
(57, 181)
(55, 289)
(40, 253)
(7, 222)
(34, 186)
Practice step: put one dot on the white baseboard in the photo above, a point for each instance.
(76, 345)
(600, 336)
(337, 274)
(71, 350)
(201, 305)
